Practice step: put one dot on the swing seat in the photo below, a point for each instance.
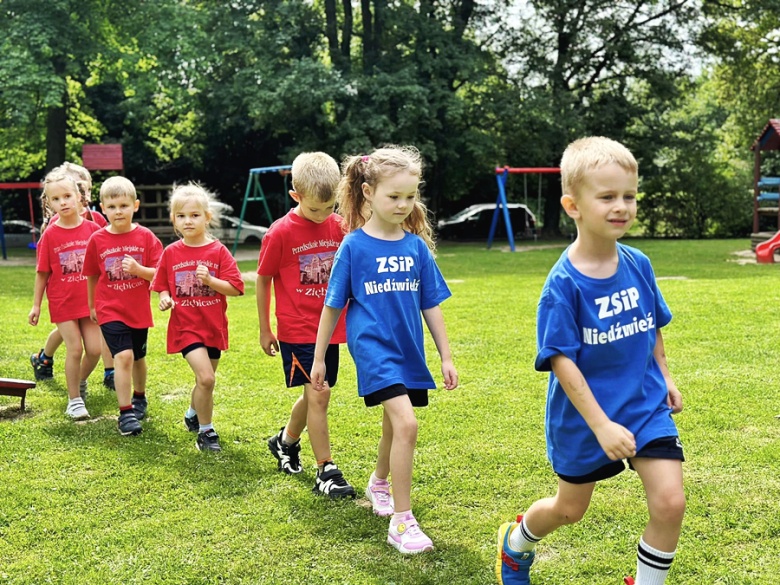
(11, 387)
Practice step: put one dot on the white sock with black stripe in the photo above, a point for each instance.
(652, 565)
(522, 539)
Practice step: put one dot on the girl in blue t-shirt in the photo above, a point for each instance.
(385, 270)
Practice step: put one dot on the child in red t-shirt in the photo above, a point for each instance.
(119, 264)
(43, 360)
(58, 273)
(193, 277)
(297, 255)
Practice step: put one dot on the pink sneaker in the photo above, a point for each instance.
(379, 495)
(407, 537)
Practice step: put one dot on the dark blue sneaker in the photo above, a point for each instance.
(208, 441)
(108, 380)
(139, 406)
(43, 367)
(192, 424)
(129, 425)
(512, 567)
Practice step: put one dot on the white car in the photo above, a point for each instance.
(228, 227)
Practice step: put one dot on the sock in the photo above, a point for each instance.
(124, 409)
(190, 412)
(107, 371)
(208, 427)
(522, 539)
(398, 516)
(73, 400)
(374, 479)
(652, 565)
(43, 356)
(139, 394)
(289, 438)
(321, 464)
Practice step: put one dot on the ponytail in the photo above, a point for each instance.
(351, 202)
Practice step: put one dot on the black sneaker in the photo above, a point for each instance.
(139, 406)
(108, 380)
(208, 441)
(128, 424)
(43, 368)
(288, 456)
(330, 482)
(192, 424)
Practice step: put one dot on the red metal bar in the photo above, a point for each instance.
(32, 214)
(21, 186)
(523, 170)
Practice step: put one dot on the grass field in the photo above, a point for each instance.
(81, 504)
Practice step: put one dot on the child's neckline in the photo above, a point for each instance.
(363, 231)
(72, 227)
(131, 230)
(594, 279)
(208, 243)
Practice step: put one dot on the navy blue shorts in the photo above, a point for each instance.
(418, 398)
(214, 353)
(298, 359)
(661, 448)
(120, 337)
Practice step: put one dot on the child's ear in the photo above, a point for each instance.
(366, 190)
(570, 206)
(137, 205)
(103, 209)
(295, 196)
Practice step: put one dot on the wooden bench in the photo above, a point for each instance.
(11, 387)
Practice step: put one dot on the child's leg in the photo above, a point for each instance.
(400, 413)
(567, 507)
(139, 376)
(123, 375)
(92, 337)
(203, 392)
(663, 482)
(298, 416)
(53, 342)
(108, 361)
(383, 451)
(317, 421)
(71, 335)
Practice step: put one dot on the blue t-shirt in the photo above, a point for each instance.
(387, 284)
(608, 328)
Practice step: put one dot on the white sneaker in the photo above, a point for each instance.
(381, 500)
(76, 409)
(407, 537)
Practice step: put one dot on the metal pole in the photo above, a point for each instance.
(32, 215)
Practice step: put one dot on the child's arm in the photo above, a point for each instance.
(223, 287)
(675, 397)
(41, 278)
(328, 320)
(131, 266)
(435, 321)
(91, 287)
(166, 302)
(268, 340)
(616, 440)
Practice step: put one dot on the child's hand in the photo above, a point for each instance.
(269, 343)
(166, 303)
(203, 275)
(318, 376)
(616, 440)
(674, 400)
(32, 318)
(129, 265)
(450, 375)
(93, 315)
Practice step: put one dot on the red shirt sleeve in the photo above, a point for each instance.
(98, 218)
(155, 248)
(228, 270)
(270, 253)
(160, 281)
(91, 262)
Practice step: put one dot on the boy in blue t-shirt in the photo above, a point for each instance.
(610, 394)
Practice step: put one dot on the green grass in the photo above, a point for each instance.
(80, 504)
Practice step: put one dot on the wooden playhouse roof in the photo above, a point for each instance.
(769, 139)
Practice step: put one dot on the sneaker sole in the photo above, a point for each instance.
(404, 551)
(79, 417)
(377, 512)
(201, 449)
(130, 433)
(332, 496)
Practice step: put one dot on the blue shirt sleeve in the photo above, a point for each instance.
(340, 283)
(556, 330)
(433, 288)
(662, 313)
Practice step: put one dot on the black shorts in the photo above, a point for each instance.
(298, 359)
(418, 398)
(120, 337)
(214, 353)
(661, 448)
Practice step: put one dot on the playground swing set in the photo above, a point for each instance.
(254, 192)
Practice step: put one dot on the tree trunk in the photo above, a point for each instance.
(57, 124)
(368, 36)
(346, 34)
(331, 31)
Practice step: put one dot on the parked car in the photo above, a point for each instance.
(250, 234)
(18, 233)
(474, 222)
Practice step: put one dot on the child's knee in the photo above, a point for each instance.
(124, 359)
(571, 512)
(206, 380)
(406, 430)
(668, 507)
(318, 400)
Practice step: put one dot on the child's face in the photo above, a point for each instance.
(605, 205)
(312, 209)
(120, 210)
(62, 199)
(191, 219)
(392, 200)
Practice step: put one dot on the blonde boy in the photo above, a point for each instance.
(119, 264)
(610, 393)
(296, 256)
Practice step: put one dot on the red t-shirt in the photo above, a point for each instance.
(200, 312)
(61, 252)
(96, 218)
(120, 296)
(298, 254)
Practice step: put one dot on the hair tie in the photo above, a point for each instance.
(365, 158)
